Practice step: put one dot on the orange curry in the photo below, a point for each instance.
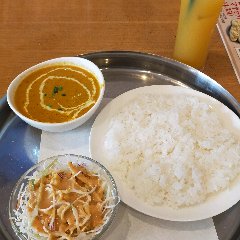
(57, 93)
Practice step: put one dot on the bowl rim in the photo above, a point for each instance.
(17, 186)
(67, 60)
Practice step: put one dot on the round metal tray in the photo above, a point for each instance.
(20, 143)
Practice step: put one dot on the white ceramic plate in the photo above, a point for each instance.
(214, 205)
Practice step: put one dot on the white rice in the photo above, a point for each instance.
(171, 150)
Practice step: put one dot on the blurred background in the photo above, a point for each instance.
(37, 30)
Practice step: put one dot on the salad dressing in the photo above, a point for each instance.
(67, 201)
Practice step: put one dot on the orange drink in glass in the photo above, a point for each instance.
(196, 23)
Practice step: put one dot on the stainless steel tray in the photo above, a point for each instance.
(19, 143)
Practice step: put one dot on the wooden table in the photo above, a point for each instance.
(37, 30)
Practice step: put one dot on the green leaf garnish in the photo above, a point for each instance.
(56, 89)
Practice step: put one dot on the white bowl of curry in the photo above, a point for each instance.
(63, 197)
(57, 95)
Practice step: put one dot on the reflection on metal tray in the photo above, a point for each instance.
(19, 143)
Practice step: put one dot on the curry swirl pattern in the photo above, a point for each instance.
(57, 93)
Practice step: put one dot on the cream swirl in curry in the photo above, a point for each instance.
(57, 93)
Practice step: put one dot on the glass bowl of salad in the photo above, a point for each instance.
(63, 197)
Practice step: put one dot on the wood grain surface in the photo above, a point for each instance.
(37, 30)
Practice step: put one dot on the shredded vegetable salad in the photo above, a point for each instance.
(69, 203)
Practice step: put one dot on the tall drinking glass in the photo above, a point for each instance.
(196, 24)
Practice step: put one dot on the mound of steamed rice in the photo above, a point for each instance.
(172, 151)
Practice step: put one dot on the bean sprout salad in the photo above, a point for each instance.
(70, 198)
